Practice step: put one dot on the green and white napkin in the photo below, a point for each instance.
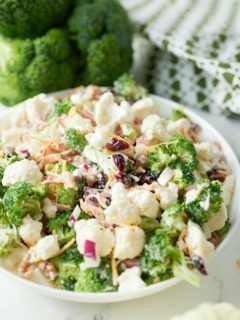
(196, 54)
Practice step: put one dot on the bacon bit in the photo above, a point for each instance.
(238, 262)
(216, 174)
(129, 263)
(88, 115)
(114, 270)
(193, 132)
(142, 139)
(48, 269)
(61, 122)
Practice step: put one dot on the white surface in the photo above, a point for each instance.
(18, 302)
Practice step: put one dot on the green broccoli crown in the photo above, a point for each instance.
(159, 255)
(68, 268)
(127, 87)
(149, 225)
(8, 241)
(64, 196)
(178, 114)
(31, 18)
(208, 202)
(58, 225)
(29, 67)
(103, 34)
(63, 107)
(21, 199)
(180, 155)
(75, 140)
(95, 279)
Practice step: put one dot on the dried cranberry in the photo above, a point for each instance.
(199, 264)
(119, 162)
(125, 179)
(102, 180)
(116, 145)
(147, 178)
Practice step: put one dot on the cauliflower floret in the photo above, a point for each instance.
(154, 127)
(40, 107)
(97, 139)
(179, 127)
(217, 222)
(47, 247)
(168, 195)
(122, 210)
(79, 123)
(12, 137)
(130, 241)
(197, 243)
(93, 231)
(208, 154)
(228, 189)
(144, 107)
(30, 231)
(20, 171)
(108, 114)
(130, 280)
(49, 208)
(145, 201)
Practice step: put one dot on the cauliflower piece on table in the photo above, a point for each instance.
(30, 231)
(47, 247)
(20, 171)
(197, 242)
(130, 280)
(129, 243)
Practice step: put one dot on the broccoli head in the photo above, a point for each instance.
(159, 256)
(68, 268)
(178, 154)
(127, 87)
(95, 279)
(29, 18)
(63, 107)
(207, 203)
(21, 199)
(29, 67)
(59, 225)
(8, 241)
(75, 140)
(62, 195)
(103, 34)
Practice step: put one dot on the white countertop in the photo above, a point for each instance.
(223, 283)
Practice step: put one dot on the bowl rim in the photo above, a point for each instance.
(109, 297)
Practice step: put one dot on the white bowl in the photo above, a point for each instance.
(208, 133)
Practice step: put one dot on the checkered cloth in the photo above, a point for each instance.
(196, 55)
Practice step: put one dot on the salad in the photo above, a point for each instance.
(100, 193)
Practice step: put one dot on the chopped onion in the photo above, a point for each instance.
(90, 249)
(165, 176)
(74, 216)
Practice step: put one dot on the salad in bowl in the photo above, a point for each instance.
(101, 193)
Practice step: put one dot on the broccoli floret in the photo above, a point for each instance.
(95, 279)
(68, 268)
(8, 241)
(29, 67)
(180, 154)
(173, 217)
(127, 87)
(177, 114)
(58, 225)
(149, 225)
(75, 140)
(21, 199)
(184, 176)
(65, 196)
(208, 202)
(63, 107)
(159, 256)
(103, 34)
(31, 18)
